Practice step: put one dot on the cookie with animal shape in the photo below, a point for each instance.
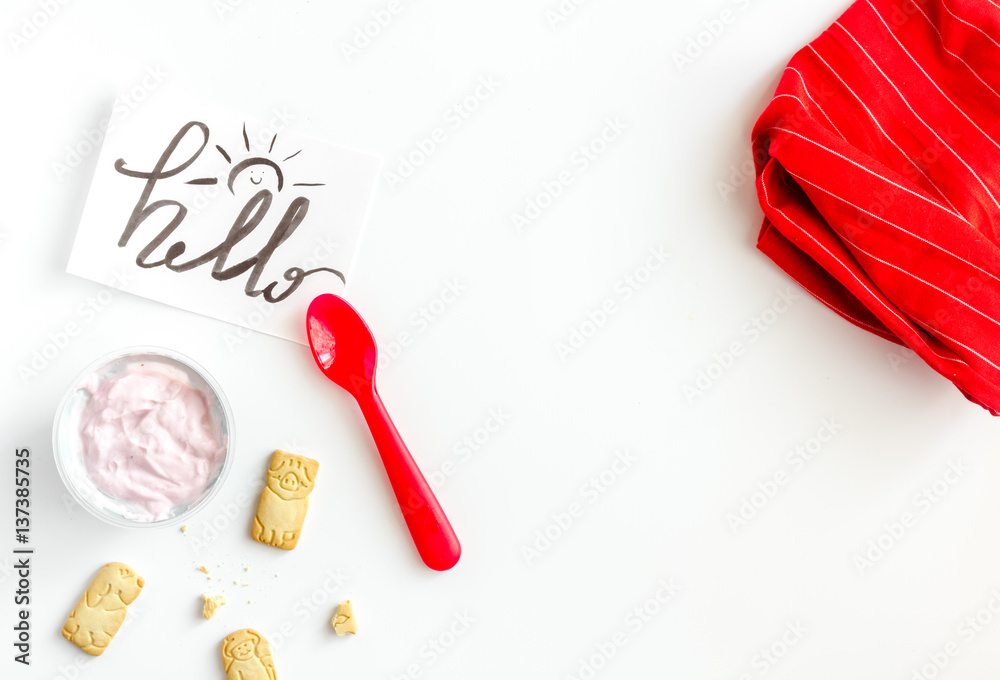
(247, 656)
(284, 501)
(101, 611)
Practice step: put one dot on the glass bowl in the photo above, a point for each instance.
(68, 447)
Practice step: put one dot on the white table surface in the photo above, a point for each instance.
(782, 596)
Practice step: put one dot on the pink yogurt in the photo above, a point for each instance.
(149, 439)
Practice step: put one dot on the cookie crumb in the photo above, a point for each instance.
(203, 568)
(212, 604)
(343, 621)
(184, 529)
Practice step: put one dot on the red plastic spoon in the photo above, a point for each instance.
(345, 350)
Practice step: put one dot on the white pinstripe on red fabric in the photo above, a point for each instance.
(868, 170)
(929, 79)
(895, 226)
(876, 295)
(882, 130)
(972, 26)
(952, 54)
(806, 90)
(918, 117)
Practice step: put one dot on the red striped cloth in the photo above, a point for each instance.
(878, 169)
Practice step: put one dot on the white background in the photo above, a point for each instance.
(664, 519)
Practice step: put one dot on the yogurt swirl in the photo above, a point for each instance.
(150, 440)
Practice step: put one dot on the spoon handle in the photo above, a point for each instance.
(431, 531)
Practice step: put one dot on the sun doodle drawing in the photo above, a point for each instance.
(257, 168)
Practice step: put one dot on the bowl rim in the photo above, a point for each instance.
(195, 367)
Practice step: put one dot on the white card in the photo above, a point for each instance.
(197, 207)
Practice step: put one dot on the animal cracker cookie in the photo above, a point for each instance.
(101, 611)
(247, 656)
(284, 501)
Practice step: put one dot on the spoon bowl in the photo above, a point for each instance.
(342, 344)
(345, 351)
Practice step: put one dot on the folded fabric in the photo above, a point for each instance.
(878, 169)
